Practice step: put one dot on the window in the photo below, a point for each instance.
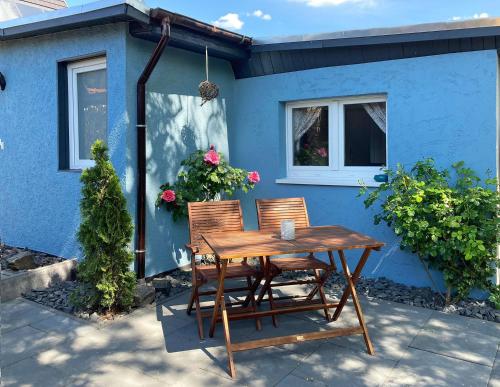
(87, 109)
(336, 142)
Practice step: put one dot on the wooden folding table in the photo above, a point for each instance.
(241, 244)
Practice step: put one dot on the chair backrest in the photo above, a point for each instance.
(213, 216)
(270, 212)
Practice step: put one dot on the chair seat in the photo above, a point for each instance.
(298, 263)
(234, 270)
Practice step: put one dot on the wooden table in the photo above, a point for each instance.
(241, 244)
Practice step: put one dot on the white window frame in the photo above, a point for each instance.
(73, 69)
(336, 173)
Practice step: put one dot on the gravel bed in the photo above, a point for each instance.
(389, 290)
(178, 281)
(57, 296)
(40, 258)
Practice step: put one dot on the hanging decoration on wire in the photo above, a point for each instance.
(208, 90)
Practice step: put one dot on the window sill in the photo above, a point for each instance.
(75, 170)
(334, 181)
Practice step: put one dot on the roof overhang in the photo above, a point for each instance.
(102, 12)
(193, 35)
(404, 34)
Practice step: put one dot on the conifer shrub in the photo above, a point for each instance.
(106, 282)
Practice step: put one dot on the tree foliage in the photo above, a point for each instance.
(105, 232)
(450, 220)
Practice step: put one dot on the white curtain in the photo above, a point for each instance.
(302, 120)
(377, 113)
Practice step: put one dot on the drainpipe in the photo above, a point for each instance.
(140, 252)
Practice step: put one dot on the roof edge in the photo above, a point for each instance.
(95, 13)
(416, 32)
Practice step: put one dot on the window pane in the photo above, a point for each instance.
(310, 136)
(92, 109)
(365, 134)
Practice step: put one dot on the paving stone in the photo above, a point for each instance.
(29, 372)
(68, 326)
(24, 342)
(339, 366)
(110, 375)
(450, 321)
(457, 339)
(294, 381)
(421, 368)
(495, 373)
(19, 314)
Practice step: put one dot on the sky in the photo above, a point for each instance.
(264, 18)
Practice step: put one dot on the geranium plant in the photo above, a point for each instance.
(206, 176)
(450, 221)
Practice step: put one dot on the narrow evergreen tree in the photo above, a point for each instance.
(105, 233)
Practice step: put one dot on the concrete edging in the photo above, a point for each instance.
(39, 278)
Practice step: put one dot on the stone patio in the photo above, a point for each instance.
(158, 346)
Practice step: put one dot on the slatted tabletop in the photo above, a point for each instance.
(238, 244)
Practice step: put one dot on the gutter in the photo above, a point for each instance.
(140, 252)
(199, 26)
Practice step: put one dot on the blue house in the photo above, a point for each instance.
(313, 114)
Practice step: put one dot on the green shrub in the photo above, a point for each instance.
(206, 176)
(105, 233)
(450, 221)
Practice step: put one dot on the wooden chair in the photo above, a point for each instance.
(217, 216)
(270, 213)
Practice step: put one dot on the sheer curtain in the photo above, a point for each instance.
(302, 120)
(377, 113)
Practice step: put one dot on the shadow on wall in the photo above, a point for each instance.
(177, 126)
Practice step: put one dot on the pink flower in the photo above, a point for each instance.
(322, 152)
(253, 177)
(212, 157)
(168, 195)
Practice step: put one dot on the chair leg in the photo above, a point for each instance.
(194, 293)
(263, 290)
(199, 319)
(258, 324)
(322, 294)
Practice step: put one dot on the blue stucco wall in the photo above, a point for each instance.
(39, 205)
(176, 126)
(439, 106)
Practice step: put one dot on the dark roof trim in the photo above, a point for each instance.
(114, 13)
(191, 40)
(407, 34)
(176, 19)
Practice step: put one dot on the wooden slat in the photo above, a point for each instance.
(297, 338)
(270, 212)
(213, 216)
(238, 244)
(310, 306)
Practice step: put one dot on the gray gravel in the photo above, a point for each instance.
(389, 290)
(179, 281)
(56, 296)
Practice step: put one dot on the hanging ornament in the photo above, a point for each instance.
(208, 90)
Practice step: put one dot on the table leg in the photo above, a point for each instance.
(355, 278)
(351, 288)
(218, 297)
(227, 338)
(269, 278)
